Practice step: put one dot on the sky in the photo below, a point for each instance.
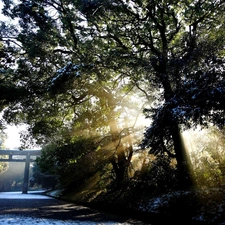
(13, 137)
(13, 140)
(2, 18)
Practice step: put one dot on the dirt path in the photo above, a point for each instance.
(44, 208)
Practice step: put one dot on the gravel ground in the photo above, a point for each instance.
(17, 208)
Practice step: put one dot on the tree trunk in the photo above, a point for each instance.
(120, 166)
(123, 154)
(182, 158)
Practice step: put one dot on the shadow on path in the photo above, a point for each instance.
(40, 206)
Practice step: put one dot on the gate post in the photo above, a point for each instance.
(26, 174)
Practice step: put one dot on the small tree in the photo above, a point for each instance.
(73, 162)
(207, 157)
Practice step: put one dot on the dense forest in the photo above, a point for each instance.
(125, 97)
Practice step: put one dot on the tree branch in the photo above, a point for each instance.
(63, 51)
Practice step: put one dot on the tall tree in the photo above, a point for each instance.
(75, 92)
(178, 47)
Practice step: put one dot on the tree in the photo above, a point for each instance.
(173, 43)
(177, 47)
(190, 91)
(180, 47)
(75, 92)
(207, 156)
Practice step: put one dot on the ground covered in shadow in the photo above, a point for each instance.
(17, 208)
(205, 206)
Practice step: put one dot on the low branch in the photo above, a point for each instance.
(63, 51)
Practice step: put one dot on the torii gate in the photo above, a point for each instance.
(28, 160)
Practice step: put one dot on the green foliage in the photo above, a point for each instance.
(46, 180)
(73, 162)
(160, 176)
(208, 159)
(71, 72)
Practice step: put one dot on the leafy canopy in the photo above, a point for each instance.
(73, 52)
